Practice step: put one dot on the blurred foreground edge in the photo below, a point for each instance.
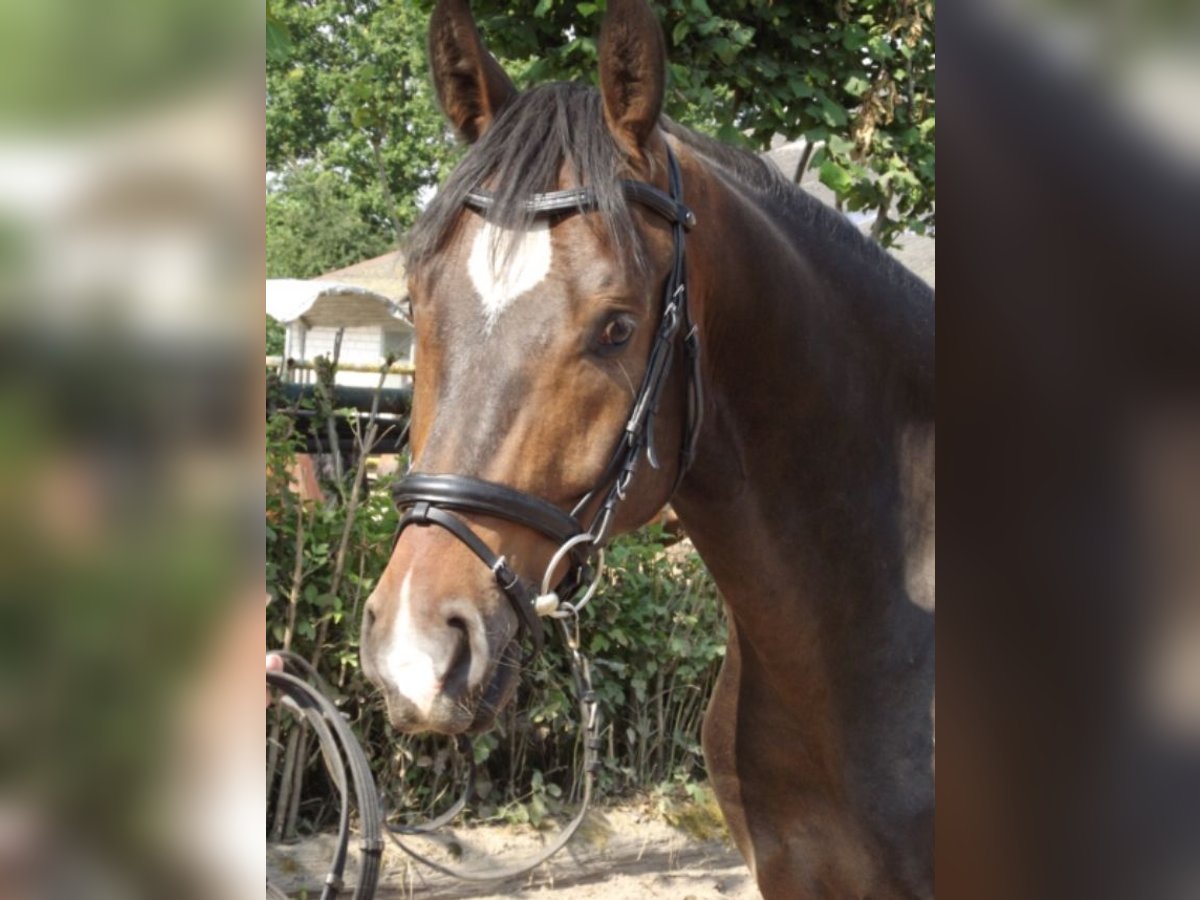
(1069, 470)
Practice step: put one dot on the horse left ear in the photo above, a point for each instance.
(633, 72)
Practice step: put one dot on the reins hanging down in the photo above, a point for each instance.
(348, 768)
(343, 755)
(590, 719)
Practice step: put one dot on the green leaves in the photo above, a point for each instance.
(832, 114)
(856, 85)
(350, 102)
(744, 72)
(835, 177)
(279, 39)
(854, 37)
(318, 220)
(839, 146)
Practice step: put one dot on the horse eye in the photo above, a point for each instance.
(617, 332)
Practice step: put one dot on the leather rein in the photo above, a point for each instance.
(438, 500)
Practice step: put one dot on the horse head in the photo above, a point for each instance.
(540, 335)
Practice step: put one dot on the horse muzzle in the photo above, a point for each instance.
(446, 665)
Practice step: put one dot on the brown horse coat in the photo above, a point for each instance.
(810, 499)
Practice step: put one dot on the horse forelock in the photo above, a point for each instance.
(549, 137)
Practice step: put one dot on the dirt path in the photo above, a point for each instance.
(621, 854)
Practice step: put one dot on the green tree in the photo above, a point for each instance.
(856, 76)
(316, 221)
(348, 94)
(276, 338)
(348, 90)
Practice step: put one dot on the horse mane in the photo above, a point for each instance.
(558, 130)
(804, 213)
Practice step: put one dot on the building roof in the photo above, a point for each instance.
(384, 275)
(320, 302)
(371, 292)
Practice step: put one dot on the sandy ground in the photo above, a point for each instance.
(620, 854)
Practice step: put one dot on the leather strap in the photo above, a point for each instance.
(583, 199)
(474, 495)
(519, 593)
(589, 716)
(343, 756)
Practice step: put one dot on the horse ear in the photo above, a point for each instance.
(633, 72)
(470, 84)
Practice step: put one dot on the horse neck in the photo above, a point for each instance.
(818, 372)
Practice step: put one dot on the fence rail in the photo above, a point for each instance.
(301, 402)
(303, 365)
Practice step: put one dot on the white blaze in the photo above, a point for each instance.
(417, 660)
(411, 668)
(520, 262)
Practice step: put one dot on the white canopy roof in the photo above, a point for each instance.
(330, 303)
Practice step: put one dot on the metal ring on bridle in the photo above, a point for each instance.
(573, 609)
(562, 551)
(560, 608)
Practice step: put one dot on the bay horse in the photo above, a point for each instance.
(778, 380)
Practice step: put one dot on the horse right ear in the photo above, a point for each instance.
(471, 86)
(633, 72)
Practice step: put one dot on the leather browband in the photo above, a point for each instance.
(583, 199)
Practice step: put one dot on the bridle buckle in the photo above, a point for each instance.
(547, 604)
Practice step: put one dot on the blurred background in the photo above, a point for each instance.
(131, 460)
(131, 474)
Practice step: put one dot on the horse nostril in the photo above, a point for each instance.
(369, 618)
(460, 665)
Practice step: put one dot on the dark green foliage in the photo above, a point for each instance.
(352, 123)
(348, 95)
(316, 222)
(856, 74)
(275, 337)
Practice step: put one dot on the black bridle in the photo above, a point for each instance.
(426, 499)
